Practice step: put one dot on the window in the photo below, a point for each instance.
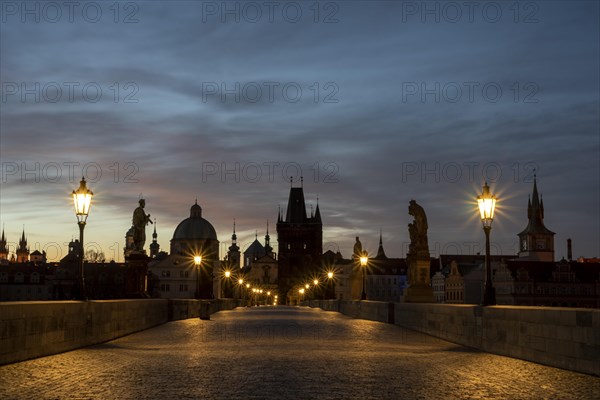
(183, 287)
(165, 287)
(19, 277)
(166, 274)
(3, 277)
(35, 278)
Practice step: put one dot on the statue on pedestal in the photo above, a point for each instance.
(140, 220)
(357, 251)
(418, 259)
(137, 260)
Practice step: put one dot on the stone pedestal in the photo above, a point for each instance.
(419, 290)
(136, 279)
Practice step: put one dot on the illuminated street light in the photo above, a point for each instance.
(363, 263)
(330, 285)
(82, 199)
(197, 263)
(226, 283)
(487, 204)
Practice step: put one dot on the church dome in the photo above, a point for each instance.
(195, 227)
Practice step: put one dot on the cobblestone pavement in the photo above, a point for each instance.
(286, 353)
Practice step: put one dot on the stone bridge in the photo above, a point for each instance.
(269, 352)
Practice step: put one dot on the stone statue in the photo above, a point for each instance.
(357, 251)
(140, 220)
(418, 259)
(417, 231)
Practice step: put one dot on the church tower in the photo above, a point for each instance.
(536, 241)
(233, 255)
(23, 250)
(268, 248)
(154, 246)
(380, 252)
(3, 248)
(300, 242)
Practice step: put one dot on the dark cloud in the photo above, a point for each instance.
(368, 143)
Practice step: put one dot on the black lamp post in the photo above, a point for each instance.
(487, 204)
(82, 199)
(197, 263)
(240, 286)
(330, 286)
(226, 282)
(363, 263)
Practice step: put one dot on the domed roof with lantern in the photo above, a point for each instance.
(195, 227)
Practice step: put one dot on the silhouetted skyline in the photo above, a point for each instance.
(387, 101)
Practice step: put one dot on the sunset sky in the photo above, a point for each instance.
(376, 102)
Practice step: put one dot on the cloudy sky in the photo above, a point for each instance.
(374, 103)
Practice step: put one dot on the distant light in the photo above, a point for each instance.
(364, 260)
(197, 260)
(316, 282)
(330, 274)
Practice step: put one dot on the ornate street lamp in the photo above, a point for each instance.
(226, 282)
(240, 285)
(197, 263)
(330, 287)
(487, 204)
(82, 199)
(363, 263)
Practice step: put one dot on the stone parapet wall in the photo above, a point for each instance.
(567, 338)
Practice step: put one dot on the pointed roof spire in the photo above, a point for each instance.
(256, 234)
(312, 213)
(154, 235)
(380, 251)
(535, 213)
(301, 181)
(318, 213)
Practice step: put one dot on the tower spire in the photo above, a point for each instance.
(380, 251)
(268, 248)
(536, 241)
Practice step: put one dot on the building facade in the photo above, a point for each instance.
(300, 243)
(177, 274)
